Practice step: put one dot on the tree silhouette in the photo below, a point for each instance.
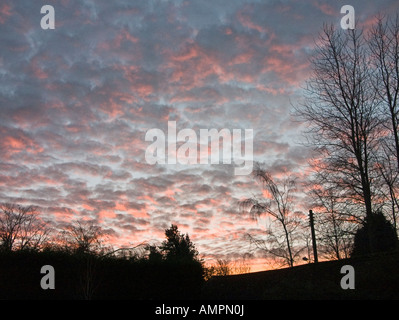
(154, 254)
(351, 112)
(333, 224)
(83, 237)
(384, 48)
(340, 110)
(21, 228)
(382, 231)
(279, 206)
(178, 246)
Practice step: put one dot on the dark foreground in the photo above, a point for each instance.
(376, 277)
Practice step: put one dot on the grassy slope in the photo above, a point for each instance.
(376, 277)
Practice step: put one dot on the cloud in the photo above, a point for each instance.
(76, 102)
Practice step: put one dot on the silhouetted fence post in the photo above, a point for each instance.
(313, 236)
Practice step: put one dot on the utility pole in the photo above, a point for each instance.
(313, 236)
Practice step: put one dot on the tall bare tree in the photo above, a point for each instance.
(340, 109)
(384, 48)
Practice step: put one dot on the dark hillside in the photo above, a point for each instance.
(376, 277)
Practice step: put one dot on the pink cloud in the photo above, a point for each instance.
(105, 214)
(37, 70)
(286, 66)
(325, 8)
(187, 53)
(246, 21)
(15, 141)
(124, 35)
(87, 207)
(5, 12)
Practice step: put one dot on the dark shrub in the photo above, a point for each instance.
(376, 235)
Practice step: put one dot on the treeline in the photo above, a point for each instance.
(86, 268)
(92, 277)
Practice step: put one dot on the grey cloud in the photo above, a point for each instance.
(76, 102)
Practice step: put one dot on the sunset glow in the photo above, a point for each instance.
(77, 101)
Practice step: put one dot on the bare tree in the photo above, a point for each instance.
(84, 237)
(21, 228)
(390, 177)
(340, 109)
(242, 265)
(89, 277)
(279, 207)
(384, 48)
(223, 268)
(335, 228)
(226, 267)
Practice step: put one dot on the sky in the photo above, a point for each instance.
(77, 101)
